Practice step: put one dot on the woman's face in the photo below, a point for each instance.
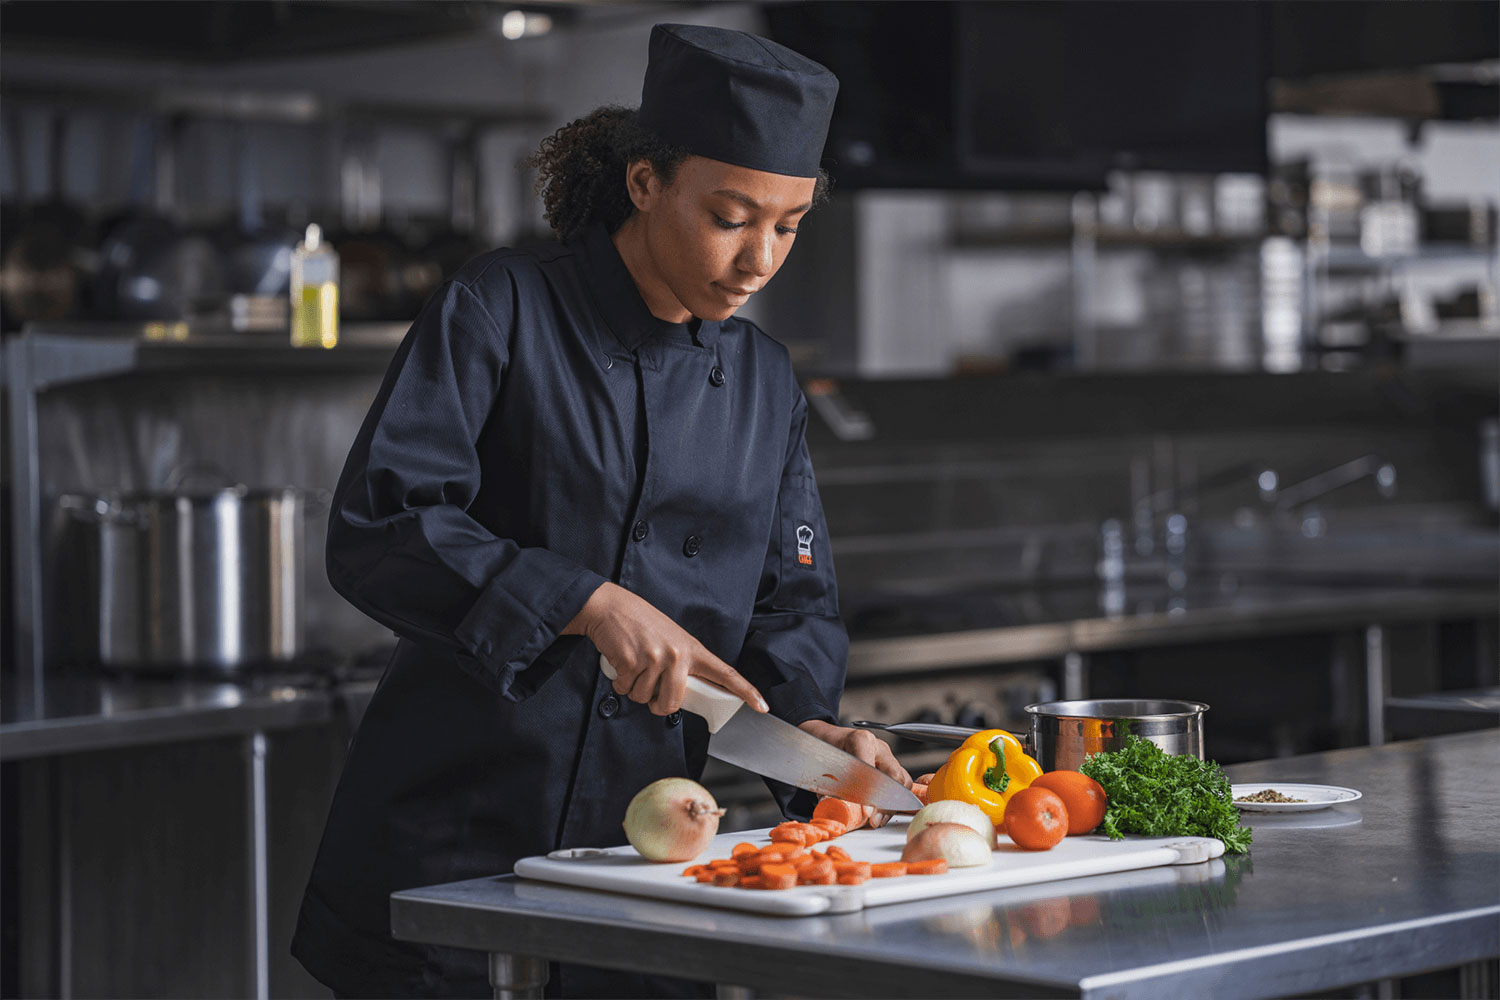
(713, 237)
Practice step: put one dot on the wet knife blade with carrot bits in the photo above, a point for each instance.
(760, 742)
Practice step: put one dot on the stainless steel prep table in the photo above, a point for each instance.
(72, 713)
(1404, 881)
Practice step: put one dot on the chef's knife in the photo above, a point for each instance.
(762, 743)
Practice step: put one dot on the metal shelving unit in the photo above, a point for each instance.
(45, 357)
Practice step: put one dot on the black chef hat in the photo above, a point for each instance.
(738, 98)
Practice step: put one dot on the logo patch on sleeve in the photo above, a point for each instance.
(804, 544)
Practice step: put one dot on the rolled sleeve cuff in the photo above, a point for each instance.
(508, 627)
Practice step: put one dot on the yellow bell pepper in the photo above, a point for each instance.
(986, 770)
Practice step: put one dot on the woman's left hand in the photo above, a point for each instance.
(867, 747)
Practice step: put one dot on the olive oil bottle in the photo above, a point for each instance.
(315, 291)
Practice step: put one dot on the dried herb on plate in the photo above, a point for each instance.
(1157, 794)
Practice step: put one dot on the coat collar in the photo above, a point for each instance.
(620, 300)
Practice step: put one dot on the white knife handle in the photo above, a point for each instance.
(712, 702)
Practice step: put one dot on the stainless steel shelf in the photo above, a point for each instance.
(47, 356)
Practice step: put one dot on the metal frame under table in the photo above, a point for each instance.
(1404, 881)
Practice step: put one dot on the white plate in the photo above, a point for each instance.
(1315, 796)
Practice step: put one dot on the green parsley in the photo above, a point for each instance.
(1154, 793)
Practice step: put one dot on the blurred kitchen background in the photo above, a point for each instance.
(1153, 350)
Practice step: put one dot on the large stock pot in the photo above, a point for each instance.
(202, 577)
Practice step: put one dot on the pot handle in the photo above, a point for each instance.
(931, 732)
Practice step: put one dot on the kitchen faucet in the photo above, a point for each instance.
(1299, 496)
(1169, 500)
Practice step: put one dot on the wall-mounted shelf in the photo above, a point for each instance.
(48, 356)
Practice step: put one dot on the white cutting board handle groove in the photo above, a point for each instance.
(712, 702)
(1190, 852)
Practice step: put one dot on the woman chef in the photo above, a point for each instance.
(578, 449)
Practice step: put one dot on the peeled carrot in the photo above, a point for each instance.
(832, 828)
(709, 874)
(817, 873)
(726, 878)
(852, 878)
(920, 791)
(753, 882)
(936, 866)
(888, 869)
(693, 869)
(742, 848)
(778, 869)
(840, 811)
(779, 881)
(838, 853)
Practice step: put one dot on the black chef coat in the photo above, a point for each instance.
(539, 432)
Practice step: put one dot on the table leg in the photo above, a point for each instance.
(517, 977)
(1377, 682)
(258, 869)
(1075, 682)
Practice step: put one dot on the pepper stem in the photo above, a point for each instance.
(997, 782)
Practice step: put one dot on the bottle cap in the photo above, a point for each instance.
(314, 236)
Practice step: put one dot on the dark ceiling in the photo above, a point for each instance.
(231, 30)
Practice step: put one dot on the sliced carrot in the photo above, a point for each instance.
(852, 878)
(833, 829)
(790, 830)
(693, 869)
(779, 881)
(753, 882)
(726, 878)
(888, 869)
(920, 791)
(817, 873)
(776, 852)
(798, 856)
(936, 866)
(723, 863)
(838, 854)
(709, 874)
(742, 848)
(749, 864)
(840, 811)
(778, 870)
(852, 868)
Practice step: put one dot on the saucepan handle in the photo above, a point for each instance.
(932, 732)
(712, 702)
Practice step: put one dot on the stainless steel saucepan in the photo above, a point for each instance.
(1064, 733)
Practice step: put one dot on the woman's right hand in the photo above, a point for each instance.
(652, 655)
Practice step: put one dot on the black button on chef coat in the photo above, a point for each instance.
(534, 421)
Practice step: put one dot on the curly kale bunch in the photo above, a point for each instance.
(1158, 794)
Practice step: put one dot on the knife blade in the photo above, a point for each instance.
(776, 749)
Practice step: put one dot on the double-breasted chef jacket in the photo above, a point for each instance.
(538, 433)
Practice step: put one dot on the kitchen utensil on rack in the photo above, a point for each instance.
(1063, 733)
(202, 575)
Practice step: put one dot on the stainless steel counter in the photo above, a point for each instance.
(1406, 880)
(1009, 626)
(73, 713)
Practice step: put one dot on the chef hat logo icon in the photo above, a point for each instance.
(804, 544)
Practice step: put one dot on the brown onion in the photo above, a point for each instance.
(671, 819)
(959, 845)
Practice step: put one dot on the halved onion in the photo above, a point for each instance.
(952, 811)
(959, 845)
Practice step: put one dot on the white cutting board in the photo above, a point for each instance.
(621, 869)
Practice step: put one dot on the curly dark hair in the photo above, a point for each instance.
(581, 170)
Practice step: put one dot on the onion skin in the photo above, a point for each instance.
(671, 819)
(952, 811)
(959, 845)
